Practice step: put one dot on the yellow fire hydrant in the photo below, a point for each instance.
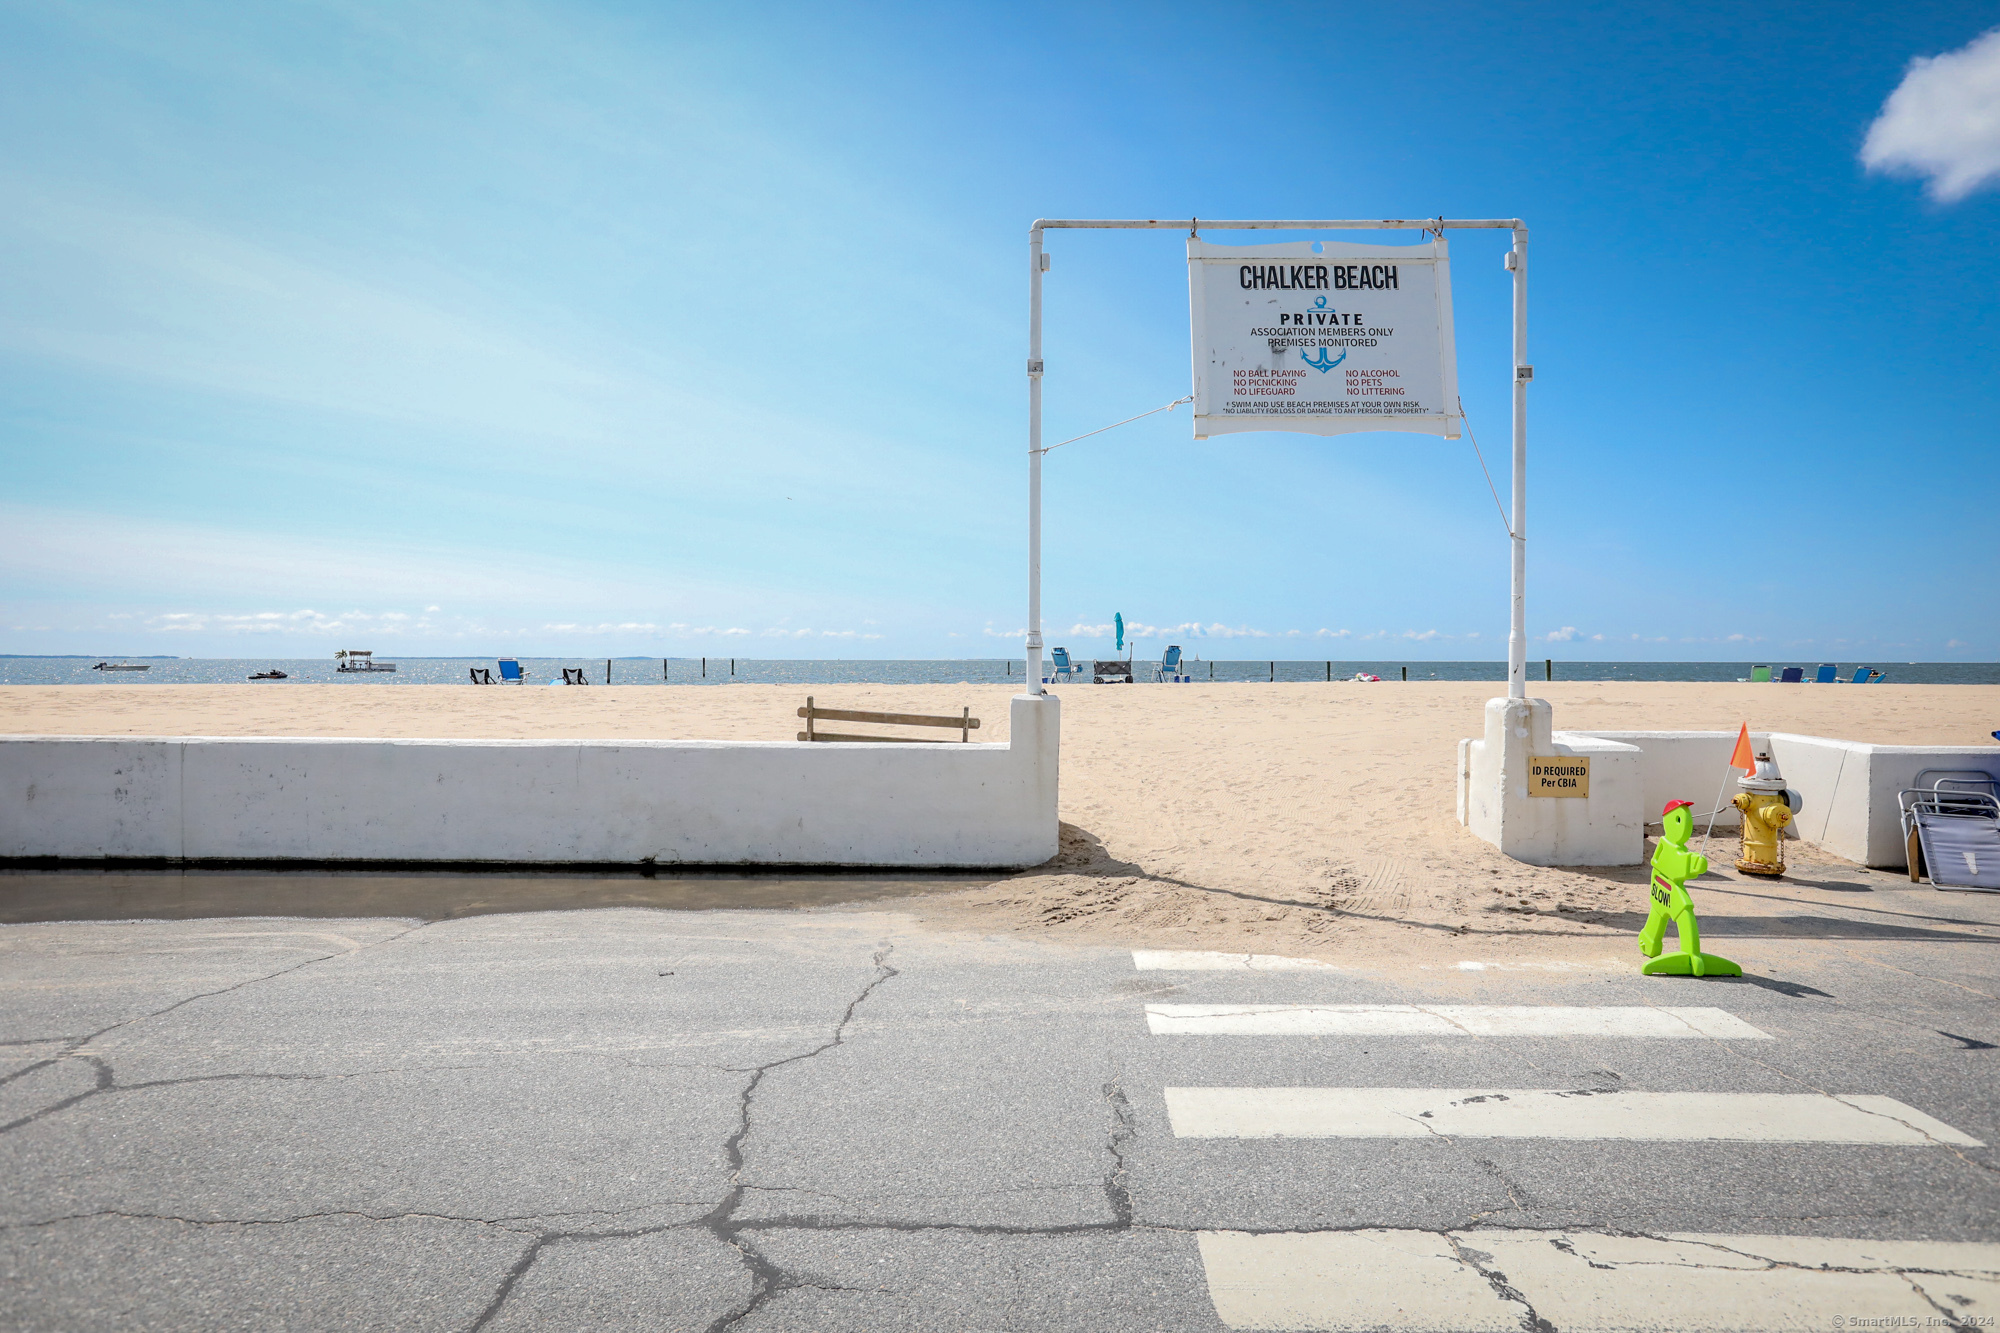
(1767, 808)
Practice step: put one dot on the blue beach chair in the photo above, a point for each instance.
(1170, 664)
(1860, 676)
(1827, 671)
(1792, 676)
(511, 673)
(1059, 665)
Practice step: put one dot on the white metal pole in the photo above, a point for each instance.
(1517, 631)
(1035, 460)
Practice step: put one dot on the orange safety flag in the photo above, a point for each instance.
(1741, 757)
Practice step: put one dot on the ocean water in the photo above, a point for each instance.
(946, 671)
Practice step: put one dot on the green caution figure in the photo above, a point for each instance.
(1673, 866)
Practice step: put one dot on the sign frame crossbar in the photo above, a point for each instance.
(1517, 263)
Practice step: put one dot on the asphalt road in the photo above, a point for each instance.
(832, 1119)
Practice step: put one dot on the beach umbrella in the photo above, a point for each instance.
(1118, 619)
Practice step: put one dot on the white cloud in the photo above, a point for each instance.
(1189, 629)
(137, 559)
(270, 622)
(619, 627)
(1563, 635)
(1943, 122)
(678, 628)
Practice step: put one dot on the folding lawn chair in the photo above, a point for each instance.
(1951, 828)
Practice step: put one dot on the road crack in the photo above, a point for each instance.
(1480, 1262)
(78, 1048)
(767, 1279)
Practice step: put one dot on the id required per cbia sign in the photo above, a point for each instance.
(1323, 338)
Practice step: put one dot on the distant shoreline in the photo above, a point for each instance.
(716, 657)
(79, 669)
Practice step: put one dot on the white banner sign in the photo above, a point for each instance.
(1323, 338)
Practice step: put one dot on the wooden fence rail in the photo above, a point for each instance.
(965, 722)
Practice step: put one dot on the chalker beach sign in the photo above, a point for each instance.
(1322, 338)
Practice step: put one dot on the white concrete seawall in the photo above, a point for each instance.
(192, 798)
(1848, 788)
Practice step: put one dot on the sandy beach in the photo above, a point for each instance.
(1287, 818)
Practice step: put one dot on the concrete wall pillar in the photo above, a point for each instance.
(1606, 828)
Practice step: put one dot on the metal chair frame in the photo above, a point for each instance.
(1952, 794)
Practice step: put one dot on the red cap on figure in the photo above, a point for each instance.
(1672, 806)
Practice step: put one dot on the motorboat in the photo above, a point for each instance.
(273, 674)
(122, 666)
(360, 659)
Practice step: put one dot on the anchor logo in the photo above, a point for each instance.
(1323, 365)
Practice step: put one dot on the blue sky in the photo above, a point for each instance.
(659, 329)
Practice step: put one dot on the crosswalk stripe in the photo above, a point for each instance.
(1208, 960)
(1579, 1280)
(1444, 1020)
(1526, 1113)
